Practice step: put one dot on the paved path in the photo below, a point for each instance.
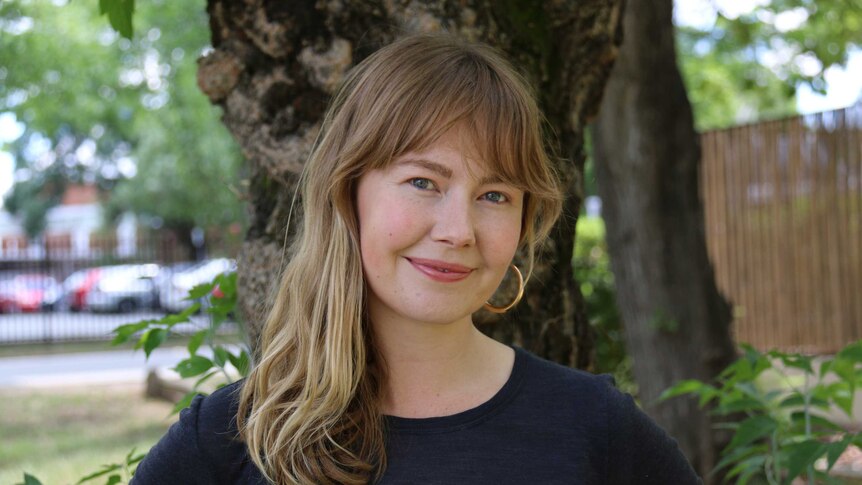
(107, 367)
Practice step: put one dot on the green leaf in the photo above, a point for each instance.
(220, 355)
(748, 467)
(125, 332)
(196, 340)
(152, 339)
(193, 366)
(106, 469)
(798, 361)
(114, 480)
(119, 15)
(800, 456)
(739, 454)
(797, 400)
(825, 366)
(205, 377)
(851, 353)
(845, 403)
(691, 386)
(844, 369)
(818, 423)
(241, 362)
(739, 405)
(30, 480)
(834, 451)
(131, 458)
(182, 317)
(200, 291)
(752, 429)
(227, 284)
(184, 402)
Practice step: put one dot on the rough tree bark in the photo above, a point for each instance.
(275, 64)
(647, 157)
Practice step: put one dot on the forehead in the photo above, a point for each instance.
(450, 154)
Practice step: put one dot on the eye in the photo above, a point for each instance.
(496, 197)
(421, 183)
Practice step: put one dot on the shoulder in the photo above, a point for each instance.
(626, 443)
(561, 384)
(202, 445)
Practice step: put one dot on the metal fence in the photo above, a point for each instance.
(783, 202)
(50, 293)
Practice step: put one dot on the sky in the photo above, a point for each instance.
(844, 85)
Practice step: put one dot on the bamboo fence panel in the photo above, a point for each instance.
(783, 209)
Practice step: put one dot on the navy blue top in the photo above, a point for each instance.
(548, 424)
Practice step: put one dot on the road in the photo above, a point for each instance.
(114, 366)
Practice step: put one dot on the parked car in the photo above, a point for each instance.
(7, 295)
(166, 273)
(29, 292)
(172, 297)
(123, 289)
(77, 285)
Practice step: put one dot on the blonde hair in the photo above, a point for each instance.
(309, 411)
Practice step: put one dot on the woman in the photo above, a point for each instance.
(428, 176)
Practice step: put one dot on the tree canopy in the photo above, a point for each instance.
(125, 114)
(740, 68)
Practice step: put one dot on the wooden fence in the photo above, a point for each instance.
(783, 203)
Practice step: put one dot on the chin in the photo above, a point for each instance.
(437, 315)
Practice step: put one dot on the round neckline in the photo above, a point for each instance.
(469, 417)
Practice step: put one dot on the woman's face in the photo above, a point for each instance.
(436, 238)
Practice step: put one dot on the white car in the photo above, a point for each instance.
(172, 298)
(124, 289)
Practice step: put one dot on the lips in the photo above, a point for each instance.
(440, 270)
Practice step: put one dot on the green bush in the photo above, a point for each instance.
(150, 334)
(787, 402)
(591, 267)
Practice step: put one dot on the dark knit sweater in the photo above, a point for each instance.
(548, 424)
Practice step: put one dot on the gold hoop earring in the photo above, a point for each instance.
(503, 309)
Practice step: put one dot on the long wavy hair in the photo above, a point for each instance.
(310, 410)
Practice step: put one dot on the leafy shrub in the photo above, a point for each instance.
(220, 294)
(591, 268)
(787, 427)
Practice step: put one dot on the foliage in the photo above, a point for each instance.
(788, 426)
(32, 198)
(133, 122)
(591, 268)
(119, 14)
(219, 299)
(749, 66)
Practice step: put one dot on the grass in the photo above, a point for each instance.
(61, 435)
(18, 350)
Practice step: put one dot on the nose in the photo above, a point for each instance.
(454, 223)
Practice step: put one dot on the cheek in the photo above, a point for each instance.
(500, 241)
(386, 226)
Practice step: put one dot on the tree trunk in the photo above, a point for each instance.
(275, 64)
(647, 163)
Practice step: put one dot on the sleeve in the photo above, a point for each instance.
(177, 457)
(641, 452)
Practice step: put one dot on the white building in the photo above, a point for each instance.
(71, 229)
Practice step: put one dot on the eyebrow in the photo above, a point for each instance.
(444, 171)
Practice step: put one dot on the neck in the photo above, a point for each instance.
(435, 369)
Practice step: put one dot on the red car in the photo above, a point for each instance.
(77, 285)
(27, 292)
